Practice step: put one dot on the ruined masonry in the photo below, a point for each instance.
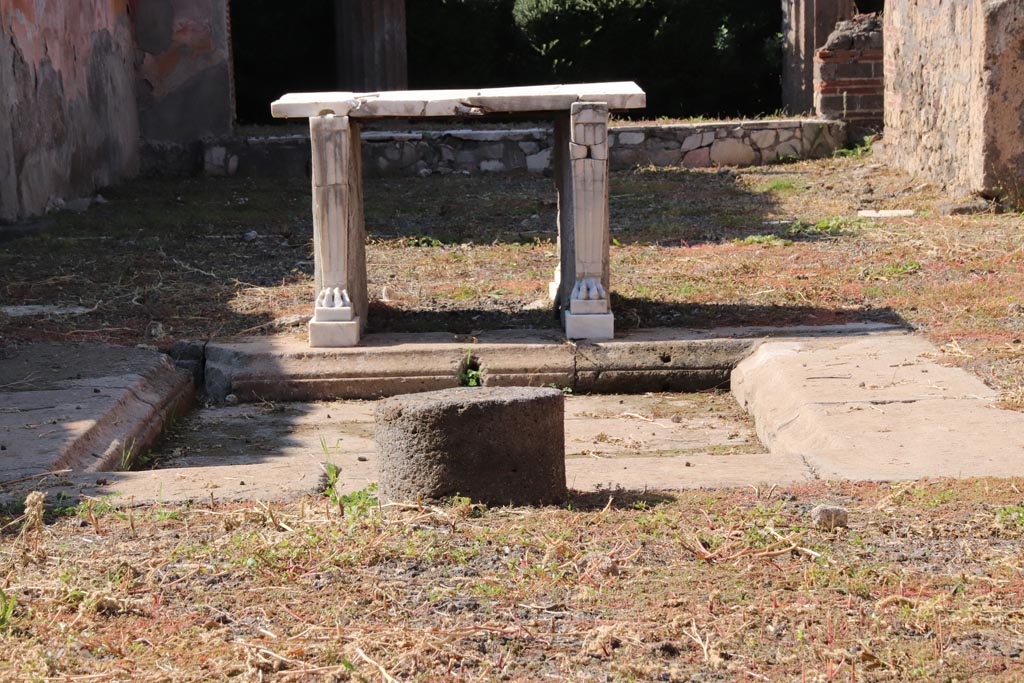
(954, 93)
(580, 286)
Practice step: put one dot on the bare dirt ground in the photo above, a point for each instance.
(728, 585)
(731, 585)
(174, 258)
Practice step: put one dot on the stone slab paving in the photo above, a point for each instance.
(272, 451)
(877, 407)
(83, 406)
(867, 404)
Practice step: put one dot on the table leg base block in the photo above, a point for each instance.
(334, 334)
(596, 327)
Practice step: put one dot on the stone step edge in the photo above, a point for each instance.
(133, 423)
(286, 369)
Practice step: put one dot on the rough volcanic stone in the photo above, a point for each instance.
(963, 208)
(496, 445)
(829, 517)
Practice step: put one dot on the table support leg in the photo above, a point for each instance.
(339, 312)
(581, 175)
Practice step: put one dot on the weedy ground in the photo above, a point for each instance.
(730, 585)
(173, 258)
(727, 585)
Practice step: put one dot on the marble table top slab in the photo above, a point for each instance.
(468, 102)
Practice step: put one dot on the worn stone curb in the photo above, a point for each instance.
(876, 408)
(284, 368)
(87, 407)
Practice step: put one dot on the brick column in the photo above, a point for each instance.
(849, 83)
(806, 25)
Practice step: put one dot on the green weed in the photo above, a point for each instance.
(1010, 516)
(127, 457)
(781, 185)
(333, 472)
(829, 227)
(470, 375)
(423, 241)
(6, 610)
(862, 148)
(765, 241)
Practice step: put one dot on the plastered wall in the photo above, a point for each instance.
(68, 116)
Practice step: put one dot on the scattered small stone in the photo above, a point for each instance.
(538, 305)
(362, 458)
(187, 349)
(78, 205)
(156, 330)
(250, 235)
(231, 399)
(41, 309)
(964, 208)
(885, 213)
(829, 517)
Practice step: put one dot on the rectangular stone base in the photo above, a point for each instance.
(334, 334)
(595, 327)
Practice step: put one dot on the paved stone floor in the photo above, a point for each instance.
(859, 404)
(653, 441)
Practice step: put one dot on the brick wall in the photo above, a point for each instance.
(806, 25)
(849, 82)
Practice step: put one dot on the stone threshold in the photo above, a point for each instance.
(285, 368)
(858, 402)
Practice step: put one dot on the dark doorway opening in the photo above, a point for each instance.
(278, 48)
(865, 6)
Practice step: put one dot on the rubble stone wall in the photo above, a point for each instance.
(955, 93)
(68, 119)
(387, 153)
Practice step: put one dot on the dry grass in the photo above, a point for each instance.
(925, 585)
(167, 259)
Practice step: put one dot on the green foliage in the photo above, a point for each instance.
(470, 375)
(862, 148)
(1010, 517)
(765, 241)
(423, 241)
(828, 227)
(6, 610)
(359, 503)
(691, 56)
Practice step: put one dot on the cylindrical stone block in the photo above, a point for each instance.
(495, 445)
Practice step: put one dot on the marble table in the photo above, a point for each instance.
(580, 113)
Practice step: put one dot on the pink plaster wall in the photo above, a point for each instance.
(68, 118)
(184, 70)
